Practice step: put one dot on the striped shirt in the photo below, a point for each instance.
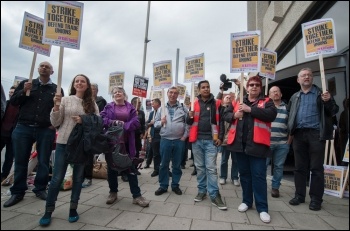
(279, 133)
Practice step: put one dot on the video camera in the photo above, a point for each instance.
(227, 82)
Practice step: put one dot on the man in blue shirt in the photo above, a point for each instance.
(310, 123)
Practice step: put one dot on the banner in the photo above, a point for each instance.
(268, 63)
(63, 23)
(148, 105)
(116, 79)
(182, 91)
(346, 153)
(31, 35)
(194, 68)
(187, 99)
(162, 75)
(319, 37)
(140, 86)
(245, 52)
(17, 80)
(333, 180)
(157, 94)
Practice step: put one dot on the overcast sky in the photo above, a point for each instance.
(113, 36)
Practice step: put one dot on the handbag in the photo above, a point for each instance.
(99, 169)
(118, 159)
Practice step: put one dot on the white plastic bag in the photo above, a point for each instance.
(68, 178)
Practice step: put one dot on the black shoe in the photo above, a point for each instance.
(147, 166)
(138, 173)
(296, 201)
(194, 173)
(315, 206)
(191, 165)
(13, 200)
(125, 178)
(160, 191)
(177, 190)
(170, 174)
(154, 173)
(41, 194)
(183, 167)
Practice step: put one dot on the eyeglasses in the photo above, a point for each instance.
(254, 84)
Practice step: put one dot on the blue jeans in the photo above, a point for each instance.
(224, 164)
(279, 155)
(23, 138)
(170, 150)
(59, 171)
(205, 153)
(113, 182)
(252, 171)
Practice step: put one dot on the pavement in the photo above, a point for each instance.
(173, 212)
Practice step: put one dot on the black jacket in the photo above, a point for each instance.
(35, 109)
(326, 111)
(86, 139)
(245, 127)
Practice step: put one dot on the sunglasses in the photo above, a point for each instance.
(254, 84)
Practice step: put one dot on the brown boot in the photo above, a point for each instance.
(113, 196)
(275, 193)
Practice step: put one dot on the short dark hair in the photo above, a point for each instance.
(157, 101)
(203, 81)
(13, 87)
(133, 101)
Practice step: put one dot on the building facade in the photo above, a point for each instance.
(280, 26)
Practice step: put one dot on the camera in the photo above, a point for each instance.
(227, 82)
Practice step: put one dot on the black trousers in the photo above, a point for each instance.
(88, 167)
(155, 144)
(6, 167)
(138, 144)
(309, 154)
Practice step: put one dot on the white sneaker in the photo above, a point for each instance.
(243, 207)
(236, 183)
(265, 217)
(222, 181)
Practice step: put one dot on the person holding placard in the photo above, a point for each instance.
(33, 125)
(206, 136)
(66, 113)
(249, 137)
(172, 143)
(310, 123)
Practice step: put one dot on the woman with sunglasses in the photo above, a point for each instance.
(249, 138)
